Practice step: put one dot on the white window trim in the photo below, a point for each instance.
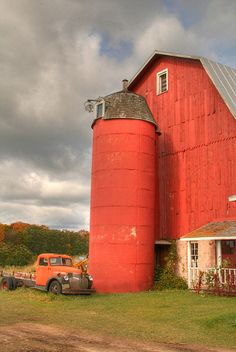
(158, 81)
(194, 258)
(103, 108)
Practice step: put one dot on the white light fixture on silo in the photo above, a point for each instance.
(89, 105)
(232, 198)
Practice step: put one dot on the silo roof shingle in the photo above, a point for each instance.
(127, 105)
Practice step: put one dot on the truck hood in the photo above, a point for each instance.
(66, 269)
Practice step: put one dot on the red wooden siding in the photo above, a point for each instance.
(197, 148)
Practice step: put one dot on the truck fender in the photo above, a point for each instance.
(52, 278)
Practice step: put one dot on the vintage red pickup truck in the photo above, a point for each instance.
(54, 273)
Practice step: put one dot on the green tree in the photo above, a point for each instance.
(17, 255)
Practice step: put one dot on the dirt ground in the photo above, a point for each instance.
(29, 337)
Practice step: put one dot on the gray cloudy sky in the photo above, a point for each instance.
(54, 54)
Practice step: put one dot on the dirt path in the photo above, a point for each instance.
(27, 337)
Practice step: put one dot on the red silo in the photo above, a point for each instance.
(123, 190)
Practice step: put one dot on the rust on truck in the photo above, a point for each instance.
(54, 273)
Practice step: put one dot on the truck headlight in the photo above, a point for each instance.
(66, 278)
(90, 277)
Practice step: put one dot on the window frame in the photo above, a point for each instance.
(194, 254)
(158, 81)
(43, 261)
(62, 261)
(100, 102)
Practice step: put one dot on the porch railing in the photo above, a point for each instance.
(225, 275)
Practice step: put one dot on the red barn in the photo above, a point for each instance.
(193, 102)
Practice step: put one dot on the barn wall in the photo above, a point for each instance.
(197, 148)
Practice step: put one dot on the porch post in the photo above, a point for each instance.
(189, 265)
(218, 253)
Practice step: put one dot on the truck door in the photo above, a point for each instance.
(43, 271)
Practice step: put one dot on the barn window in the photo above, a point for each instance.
(194, 254)
(100, 109)
(162, 81)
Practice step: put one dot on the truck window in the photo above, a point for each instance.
(43, 262)
(61, 261)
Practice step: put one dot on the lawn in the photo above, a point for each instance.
(164, 316)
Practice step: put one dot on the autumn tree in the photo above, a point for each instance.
(2, 232)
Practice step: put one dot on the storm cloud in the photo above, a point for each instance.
(56, 54)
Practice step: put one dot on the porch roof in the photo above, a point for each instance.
(220, 230)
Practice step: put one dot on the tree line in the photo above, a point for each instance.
(20, 243)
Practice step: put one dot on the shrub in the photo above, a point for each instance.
(167, 277)
(216, 281)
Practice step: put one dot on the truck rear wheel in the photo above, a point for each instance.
(55, 287)
(13, 283)
(8, 283)
(3, 285)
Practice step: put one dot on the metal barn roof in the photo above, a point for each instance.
(222, 76)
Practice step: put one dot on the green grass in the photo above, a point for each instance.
(164, 316)
(11, 268)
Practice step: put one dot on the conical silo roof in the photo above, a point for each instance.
(127, 105)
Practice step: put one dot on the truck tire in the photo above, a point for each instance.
(55, 287)
(3, 285)
(8, 283)
(13, 283)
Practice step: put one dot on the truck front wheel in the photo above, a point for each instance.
(55, 287)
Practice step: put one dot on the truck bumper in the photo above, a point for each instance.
(83, 291)
(77, 286)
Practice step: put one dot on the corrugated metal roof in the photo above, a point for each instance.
(220, 230)
(222, 76)
(224, 79)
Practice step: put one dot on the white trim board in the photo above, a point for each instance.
(210, 238)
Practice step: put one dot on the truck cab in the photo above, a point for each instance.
(55, 272)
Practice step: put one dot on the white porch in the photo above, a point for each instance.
(225, 275)
(207, 249)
